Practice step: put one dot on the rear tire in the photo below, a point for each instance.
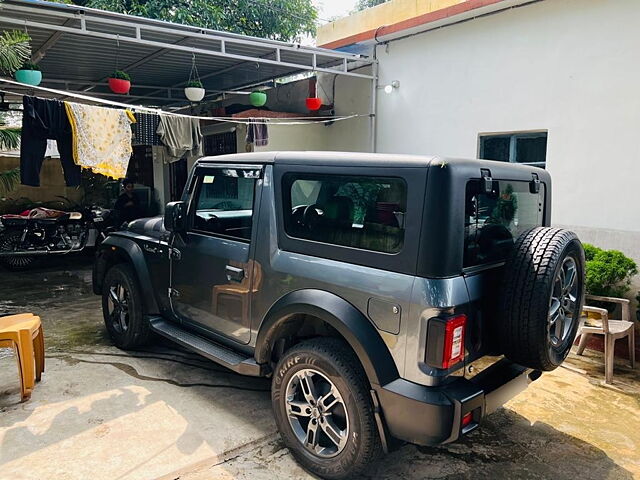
(122, 308)
(541, 298)
(336, 442)
(8, 243)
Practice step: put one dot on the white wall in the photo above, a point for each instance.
(567, 66)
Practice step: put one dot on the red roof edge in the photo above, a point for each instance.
(410, 23)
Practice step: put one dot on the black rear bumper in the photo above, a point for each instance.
(433, 415)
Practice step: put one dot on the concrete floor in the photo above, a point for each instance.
(165, 413)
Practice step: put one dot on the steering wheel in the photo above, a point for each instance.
(311, 216)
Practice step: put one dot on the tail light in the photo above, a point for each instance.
(445, 341)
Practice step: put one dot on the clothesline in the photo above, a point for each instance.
(140, 108)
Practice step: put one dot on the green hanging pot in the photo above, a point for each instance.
(257, 99)
(30, 77)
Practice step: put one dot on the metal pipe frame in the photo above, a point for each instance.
(138, 30)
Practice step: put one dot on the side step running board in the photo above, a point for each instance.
(207, 348)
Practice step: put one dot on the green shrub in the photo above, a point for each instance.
(609, 272)
(590, 251)
(120, 75)
(194, 84)
(30, 66)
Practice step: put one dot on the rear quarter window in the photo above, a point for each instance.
(494, 220)
(363, 212)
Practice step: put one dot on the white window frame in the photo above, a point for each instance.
(513, 137)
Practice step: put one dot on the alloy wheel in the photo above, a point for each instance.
(317, 413)
(119, 307)
(563, 302)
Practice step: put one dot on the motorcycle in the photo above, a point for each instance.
(41, 232)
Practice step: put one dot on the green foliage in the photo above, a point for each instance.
(609, 272)
(277, 19)
(8, 180)
(590, 251)
(364, 4)
(506, 207)
(14, 50)
(9, 138)
(119, 74)
(30, 66)
(194, 84)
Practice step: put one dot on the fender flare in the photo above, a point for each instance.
(356, 329)
(136, 258)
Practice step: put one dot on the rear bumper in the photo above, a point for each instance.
(433, 415)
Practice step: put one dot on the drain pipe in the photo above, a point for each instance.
(374, 100)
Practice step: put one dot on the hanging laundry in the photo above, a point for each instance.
(182, 136)
(144, 130)
(101, 138)
(257, 133)
(44, 119)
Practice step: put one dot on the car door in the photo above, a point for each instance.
(212, 271)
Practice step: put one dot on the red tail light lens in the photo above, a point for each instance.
(467, 419)
(453, 351)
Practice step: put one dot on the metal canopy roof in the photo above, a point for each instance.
(76, 49)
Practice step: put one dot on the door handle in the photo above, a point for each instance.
(234, 274)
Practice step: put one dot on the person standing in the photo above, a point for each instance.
(128, 204)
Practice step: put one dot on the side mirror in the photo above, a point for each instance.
(175, 216)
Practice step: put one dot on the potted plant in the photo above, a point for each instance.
(194, 91)
(120, 82)
(257, 98)
(29, 73)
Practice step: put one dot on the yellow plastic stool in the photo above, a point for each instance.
(24, 334)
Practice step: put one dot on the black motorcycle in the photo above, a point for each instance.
(25, 239)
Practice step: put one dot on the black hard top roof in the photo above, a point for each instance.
(357, 159)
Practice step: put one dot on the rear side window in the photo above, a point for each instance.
(353, 211)
(494, 220)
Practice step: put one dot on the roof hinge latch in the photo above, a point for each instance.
(534, 184)
(486, 183)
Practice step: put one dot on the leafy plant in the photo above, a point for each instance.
(119, 74)
(8, 180)
(194, 84)
(285, 20)
(9, 138)
(14, 50)
(590, 251)
(609, 272)
(30, 66)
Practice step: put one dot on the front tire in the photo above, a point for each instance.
(122, 308)
(9, 242)
(323, 409)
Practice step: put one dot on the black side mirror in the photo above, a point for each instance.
(175, 216)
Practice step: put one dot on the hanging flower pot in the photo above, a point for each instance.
(313, 103)
(194, 91)
(257, 98)
(119, 82)
(30, 74)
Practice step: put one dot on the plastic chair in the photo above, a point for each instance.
(24, 334)
(611, 329)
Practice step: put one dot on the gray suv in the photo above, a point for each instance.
(389, 297)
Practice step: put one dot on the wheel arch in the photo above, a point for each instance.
(114, 250)
(343, 317)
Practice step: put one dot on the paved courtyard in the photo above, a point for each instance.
(102, 413)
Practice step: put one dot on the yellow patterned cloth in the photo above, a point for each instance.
(101, 138)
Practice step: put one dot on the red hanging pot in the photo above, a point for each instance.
(314, 103)
(119, 85)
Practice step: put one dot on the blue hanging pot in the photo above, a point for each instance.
(30, 77)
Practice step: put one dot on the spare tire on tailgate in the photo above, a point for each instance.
(541, 298)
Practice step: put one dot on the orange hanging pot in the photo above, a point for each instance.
(314, 103)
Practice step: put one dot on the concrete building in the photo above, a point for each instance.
(548, 81)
